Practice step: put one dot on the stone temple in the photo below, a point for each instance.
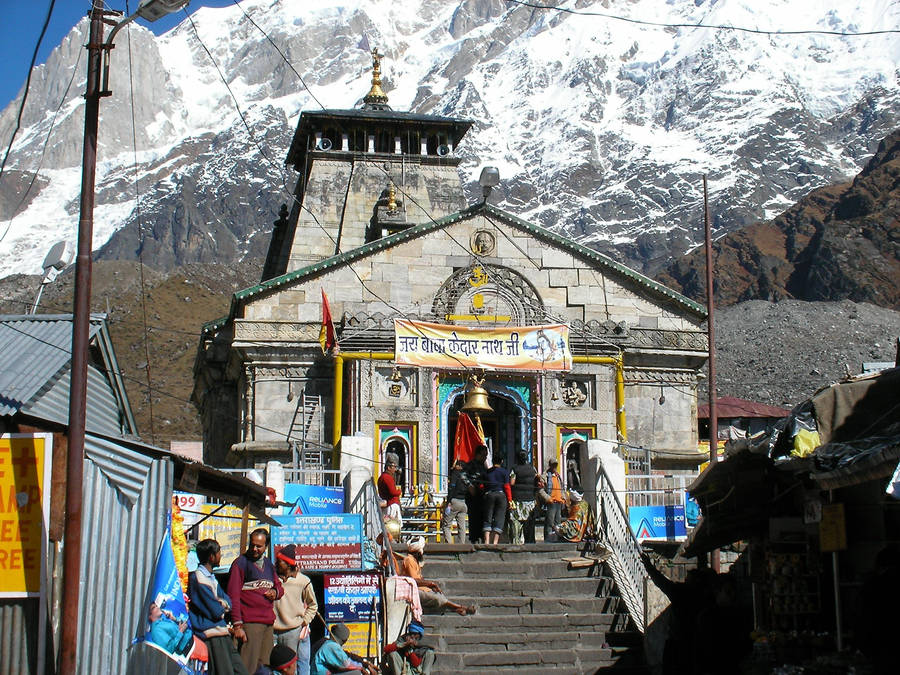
(576, 345)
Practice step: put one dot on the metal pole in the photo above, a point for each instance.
(711, 335)
(81, 320)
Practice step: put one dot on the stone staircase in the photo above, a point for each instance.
(535, 615)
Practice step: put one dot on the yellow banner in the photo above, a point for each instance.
(436, 345)
(224, 527)
(24, 512)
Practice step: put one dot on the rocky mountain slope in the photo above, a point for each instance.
(601, 120)
(838, 242)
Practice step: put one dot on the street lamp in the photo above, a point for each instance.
(98, 53)
(489, 179)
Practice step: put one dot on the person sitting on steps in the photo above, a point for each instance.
(430, 594)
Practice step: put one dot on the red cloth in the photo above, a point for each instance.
(467, 438)
(507, 488)
(327, 336)
(387, 489)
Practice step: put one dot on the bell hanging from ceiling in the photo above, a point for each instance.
(476, 397)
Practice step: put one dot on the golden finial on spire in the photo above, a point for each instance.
(392, 205)
(376, 98)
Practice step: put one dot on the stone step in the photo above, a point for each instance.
(573, 657)
(528, 568)
(580, 587)
(489, 552)
(525, 605)
(524, 640)
(569, 669)
(486, 623)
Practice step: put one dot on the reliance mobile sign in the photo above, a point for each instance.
(312, 500)
(657, 522)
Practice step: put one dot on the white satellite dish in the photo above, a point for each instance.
(57, 259)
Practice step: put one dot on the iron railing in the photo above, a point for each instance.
(656, 490)
(625, 561)
(367, 503)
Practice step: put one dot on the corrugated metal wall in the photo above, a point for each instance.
(126, 497)
(125, 501)
(18, 635)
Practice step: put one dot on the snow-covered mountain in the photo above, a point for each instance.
(601, 124)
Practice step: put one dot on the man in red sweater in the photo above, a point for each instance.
(253, 587)
(388, 490)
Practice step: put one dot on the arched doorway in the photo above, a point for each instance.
(400, 440)
(507, 429)
(572, 453)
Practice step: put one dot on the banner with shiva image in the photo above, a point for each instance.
(417, 343)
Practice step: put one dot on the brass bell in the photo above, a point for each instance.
(476, 398)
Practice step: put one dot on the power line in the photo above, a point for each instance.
(34, 175)
(140, 228)
(663, 24)
(280, 53)
(27, 85)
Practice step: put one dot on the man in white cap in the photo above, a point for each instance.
(430, 593)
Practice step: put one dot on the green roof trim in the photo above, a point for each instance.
(215, 324)
(423, 228)
(599, 258)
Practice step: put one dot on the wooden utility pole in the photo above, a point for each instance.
(711, 336)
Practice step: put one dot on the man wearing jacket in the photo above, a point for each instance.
(208, 612)
(296, 609)
(556, 489)
(254, 587)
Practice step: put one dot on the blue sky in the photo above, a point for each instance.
(22, 24)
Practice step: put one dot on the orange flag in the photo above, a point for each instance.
(327, 337)
(468, 437)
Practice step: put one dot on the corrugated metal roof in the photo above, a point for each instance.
(729, 407)
(36, 349)
(102, 414)
(35, 378)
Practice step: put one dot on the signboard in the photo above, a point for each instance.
(225, 528)
(833, 528)
(312, 500)
(25, 461)
(327, 542)
(355, 600)
(363, 639)
(350, 597)
(435, 345)
(657, 522)
(190, 505)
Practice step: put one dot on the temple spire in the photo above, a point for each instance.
(376, 99)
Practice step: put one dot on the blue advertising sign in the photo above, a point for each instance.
(657, 522)
(167, 628)
(328, 542)
(351, 598)
(312, 500)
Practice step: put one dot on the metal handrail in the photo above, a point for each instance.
(367, 503)
(625, 562)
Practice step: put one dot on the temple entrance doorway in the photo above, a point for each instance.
(507, 429)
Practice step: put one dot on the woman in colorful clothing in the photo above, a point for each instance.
(579, 521)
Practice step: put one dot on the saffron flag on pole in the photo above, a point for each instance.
(467, 438)
(327, 336)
